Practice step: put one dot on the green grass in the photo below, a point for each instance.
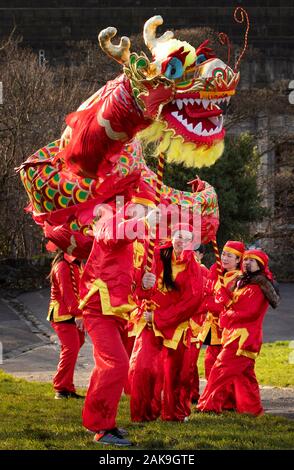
(32, 419)
(272, 365)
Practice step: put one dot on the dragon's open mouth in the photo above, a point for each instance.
(195, 118)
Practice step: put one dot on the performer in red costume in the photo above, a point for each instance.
(177, 283)
(210, 332)
(140, 248)
(196, 329)
(106, 302)
(241, 320)
(66, 319)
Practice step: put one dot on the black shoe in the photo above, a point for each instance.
(61, 395)
(111, 437)
(75, 395)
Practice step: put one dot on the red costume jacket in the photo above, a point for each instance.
(243, 320)
(174, 308)
(212, 303)
(64, 298)
(109, 271)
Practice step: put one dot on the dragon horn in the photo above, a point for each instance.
(149, 33)
(121, 52)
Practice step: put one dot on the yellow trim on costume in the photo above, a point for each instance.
(242, 334)
(174, 341)
(195, 327)
(237, 293)
(138, 254)
(144, 201)
(228, 277)
(195, 330)
(138, 326)
(250, 354)
(255, 257)
(121, 311)
(211, 323)
(53, 312)
(178, 266)
(232, 250)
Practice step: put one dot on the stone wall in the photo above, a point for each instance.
(48, 24)
(275, 233)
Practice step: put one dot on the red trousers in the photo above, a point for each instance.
(179, 368)
(71, 340)
(211, 354)
(231, 372)
(194, 351)
(146, 377)
(128, 342)
(110, 371)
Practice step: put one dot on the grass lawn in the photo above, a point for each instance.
(32, 419)
(272, 365)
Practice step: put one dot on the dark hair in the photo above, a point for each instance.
(166, 257)
(247, 277)
(201, 249)
(57, 258)
(239, 264)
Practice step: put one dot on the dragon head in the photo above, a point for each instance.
(192, 122)
(181, 89)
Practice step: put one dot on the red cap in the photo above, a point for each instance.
(261, 256)
(235, 247)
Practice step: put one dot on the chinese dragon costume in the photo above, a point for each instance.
(172, 99)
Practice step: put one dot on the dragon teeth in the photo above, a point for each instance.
(200, 102)
(217, 121)
(205, 103)
(198, 129)
(179, 104)
(214, 120)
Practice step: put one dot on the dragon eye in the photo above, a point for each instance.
(174, 68)
(201, 58)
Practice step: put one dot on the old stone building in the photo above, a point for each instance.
(48, 23)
